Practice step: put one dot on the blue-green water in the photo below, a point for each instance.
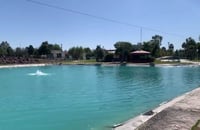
(86, 97)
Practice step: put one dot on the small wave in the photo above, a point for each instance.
(38, 73)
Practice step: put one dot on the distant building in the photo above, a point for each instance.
(111, 51)
(115, 57)
(58, 54)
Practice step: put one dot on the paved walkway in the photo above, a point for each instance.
(179, 114)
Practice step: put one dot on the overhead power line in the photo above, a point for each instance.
(102, 18)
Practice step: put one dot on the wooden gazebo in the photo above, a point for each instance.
(140, 56)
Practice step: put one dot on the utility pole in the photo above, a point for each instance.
(198, 50)
(140, 42)
(141, 35)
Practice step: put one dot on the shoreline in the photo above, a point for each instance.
(101, 64)
(23, 65)
(157, 116)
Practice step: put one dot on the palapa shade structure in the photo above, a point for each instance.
(140, 52)
(140, 56)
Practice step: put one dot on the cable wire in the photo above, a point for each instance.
(102, 18)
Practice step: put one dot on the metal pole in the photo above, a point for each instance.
(141, 35)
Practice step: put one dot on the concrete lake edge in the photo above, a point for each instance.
(139, 121)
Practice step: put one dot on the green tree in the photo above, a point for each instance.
(123, 49)
(170, 49)
(156, 43)
(10, 51)
(99, 53)
(163, 51)
(44, 49)
(198, 50)
(36, 53)
(136, 47)
(30, 49)
(179, 53)
(109, 57)
(54, 47)
(153, 45)
(147, 46)
(158, 39)
(190, 48)
(21, 52)
(88, 53)
(76, 53)
(5, 49)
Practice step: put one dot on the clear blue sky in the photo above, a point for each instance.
(23, 23)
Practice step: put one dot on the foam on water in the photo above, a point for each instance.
(38, 73)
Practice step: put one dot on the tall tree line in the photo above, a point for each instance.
(29, 51)
(190, 50)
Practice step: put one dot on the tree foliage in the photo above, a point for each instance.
(99, 53)
(153, 45)
(109, 57)
(54, 47)
(46, 48)
(170, 49)
(5, 49)
(123, 49)
(21, 52)
(88, 53)
(76, 53)
(198, 50)
(190, 48)
(30, 49)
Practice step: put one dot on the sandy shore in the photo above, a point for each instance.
(22, 65)
(180, 113)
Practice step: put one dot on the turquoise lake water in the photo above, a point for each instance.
(86, 97)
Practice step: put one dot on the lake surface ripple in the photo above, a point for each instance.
(86, 97)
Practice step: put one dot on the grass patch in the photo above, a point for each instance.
(195, 127)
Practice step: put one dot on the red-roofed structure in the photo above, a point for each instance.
(140, 52)
(140, 56)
